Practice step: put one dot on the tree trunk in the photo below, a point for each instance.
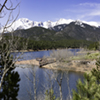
(60, 90)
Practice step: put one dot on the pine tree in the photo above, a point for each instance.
(10, 86)
(88, 90)
(96, 71)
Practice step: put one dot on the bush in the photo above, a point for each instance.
(61, 55)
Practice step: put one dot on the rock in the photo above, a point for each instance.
(84, 62)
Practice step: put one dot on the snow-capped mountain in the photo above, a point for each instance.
(24, 23)
(63, 21)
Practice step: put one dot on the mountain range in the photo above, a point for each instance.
(24, 23)
(54, 31)
(74, 30)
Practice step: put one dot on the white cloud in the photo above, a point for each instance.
(95, 13)
(90, 4)
(84, 11)
(93, 8)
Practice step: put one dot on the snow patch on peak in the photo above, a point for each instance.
(80, 23)
(63, 21)
(24, 19)
(49, 24)
(92, 23)
(23, 22)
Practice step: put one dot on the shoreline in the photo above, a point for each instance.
(75, 65)
(23, 51)
(30, 50)
(33, 62)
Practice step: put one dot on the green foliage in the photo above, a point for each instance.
(96, 71)
(44, 44)
(10, 86)
(88, 56)
(88, 53)
(92, 56)
(90, 88)
(94, 46)
(50, 41)
(16, 43)
(49, 95)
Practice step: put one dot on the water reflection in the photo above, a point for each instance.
(10, 86)
(45, 79)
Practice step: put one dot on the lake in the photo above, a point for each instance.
(45, 78)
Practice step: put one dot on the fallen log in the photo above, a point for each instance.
(45, 61)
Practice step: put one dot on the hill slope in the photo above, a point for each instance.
(78, 30)
(74, 30)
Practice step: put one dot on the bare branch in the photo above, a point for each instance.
(2, 6)
(12, 8)
(6, 25)
(8, 45)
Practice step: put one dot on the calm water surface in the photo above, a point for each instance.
(44, 78)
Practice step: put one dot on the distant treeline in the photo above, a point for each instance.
(42, 45)
(46, 45)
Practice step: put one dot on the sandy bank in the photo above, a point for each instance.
(72, 66)
(28, 62)
(75, 65)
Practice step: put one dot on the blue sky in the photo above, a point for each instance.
(44, 10)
